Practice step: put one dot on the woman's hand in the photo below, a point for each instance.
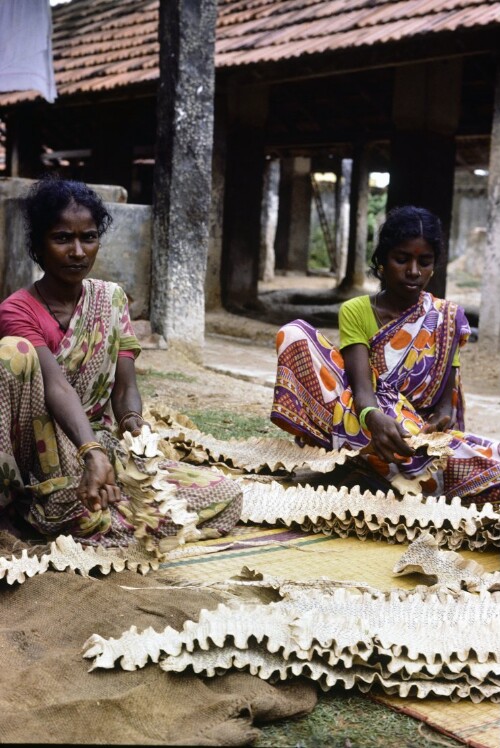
(437, 422)
(388, 437)
(132, 422)
(97, 487)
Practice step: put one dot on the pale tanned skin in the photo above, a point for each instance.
(407, 272)
(69, 251)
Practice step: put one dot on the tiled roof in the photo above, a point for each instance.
(105, 44)
(270, 30)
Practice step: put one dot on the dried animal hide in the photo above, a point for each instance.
(329, 510)
(65, 553)
(447, 567)
(332, 511)
(410, 643)
(436, 445)
(140, 471)
(252, 455)
(165, 418)
(270, 666)
(344, 512)
(257, 455)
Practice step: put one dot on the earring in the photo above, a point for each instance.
(432, 273)
(380, 269)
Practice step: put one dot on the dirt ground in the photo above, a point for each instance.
(186, 386)
(199, 388)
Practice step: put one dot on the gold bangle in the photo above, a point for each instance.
(127, 415)
(82, 451)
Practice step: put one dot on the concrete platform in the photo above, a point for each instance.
(240, 358)
(244, 347)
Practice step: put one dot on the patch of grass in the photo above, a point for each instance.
(225, 424)
(176, 376)
(346, 721)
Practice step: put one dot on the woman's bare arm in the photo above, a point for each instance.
(125, 397)
(388, 436)
(97, 486)
(442, 414)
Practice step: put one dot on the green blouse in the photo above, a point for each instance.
(357, 324)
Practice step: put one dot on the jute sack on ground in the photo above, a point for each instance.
(47, 694)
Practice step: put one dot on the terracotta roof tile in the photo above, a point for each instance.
(106, 44)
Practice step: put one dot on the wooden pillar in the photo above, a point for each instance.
(426, 109)
(355, 273)
(281, 241)
(342, 209)
(337, 217)
(182, 183)
(489, 317)
(269, 219)
(24, 143)
(294, 214)
(300, 223)
(247, 113)
(112, 152)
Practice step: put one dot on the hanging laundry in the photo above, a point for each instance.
(26, 47)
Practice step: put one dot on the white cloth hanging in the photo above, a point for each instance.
(26, 47)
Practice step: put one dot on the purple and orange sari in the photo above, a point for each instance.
(411, 359)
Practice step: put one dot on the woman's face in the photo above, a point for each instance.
(408, 269)
(70, 246)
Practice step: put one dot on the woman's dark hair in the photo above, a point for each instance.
(45, 202)
(401, 224)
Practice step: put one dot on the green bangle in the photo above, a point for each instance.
(364, 413)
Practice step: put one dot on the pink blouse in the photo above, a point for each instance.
(24, 316)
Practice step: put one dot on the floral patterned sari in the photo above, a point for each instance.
(39, 469)
(410, 359)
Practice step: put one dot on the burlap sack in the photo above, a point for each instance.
(47, 694)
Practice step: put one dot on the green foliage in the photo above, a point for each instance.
(376, 210)
(318, 253)
(319, 258)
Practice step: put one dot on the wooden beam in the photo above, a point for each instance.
(421, 48)
(426, 111)
(243, 196)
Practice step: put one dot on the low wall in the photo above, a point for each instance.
(124, 257)
(125, 254)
